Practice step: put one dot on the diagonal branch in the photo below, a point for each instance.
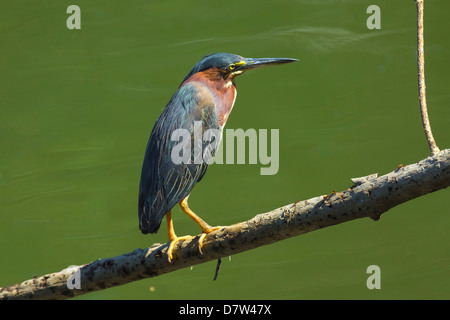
(421, 74)
(369, 197)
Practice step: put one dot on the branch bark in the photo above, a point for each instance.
(421, 75)
(370, 196)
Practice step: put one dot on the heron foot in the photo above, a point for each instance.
(173, 242)
(203, 235)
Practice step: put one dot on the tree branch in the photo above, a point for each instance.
(370, 196)
(421, 74)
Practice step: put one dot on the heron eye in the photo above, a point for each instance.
(231, 66)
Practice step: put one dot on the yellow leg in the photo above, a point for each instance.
(172, 236)
(206, 228)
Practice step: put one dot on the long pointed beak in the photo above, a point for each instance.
(253, 63)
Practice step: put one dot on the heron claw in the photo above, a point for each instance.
(173, 242)
(203, 235)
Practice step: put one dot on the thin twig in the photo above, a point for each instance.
(421, 74)
(219, 261)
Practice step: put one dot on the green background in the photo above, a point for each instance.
(77, 108)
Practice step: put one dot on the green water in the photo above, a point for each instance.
(77, 108)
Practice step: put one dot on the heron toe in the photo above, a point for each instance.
(172, 244)
(203, 235)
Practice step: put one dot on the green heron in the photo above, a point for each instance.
(206, 95)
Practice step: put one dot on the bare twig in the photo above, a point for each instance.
(219, 261)
(421, 74)
(368, 197)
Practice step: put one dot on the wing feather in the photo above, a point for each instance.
(163, 183)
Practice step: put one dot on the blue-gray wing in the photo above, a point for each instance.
(173, 163)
